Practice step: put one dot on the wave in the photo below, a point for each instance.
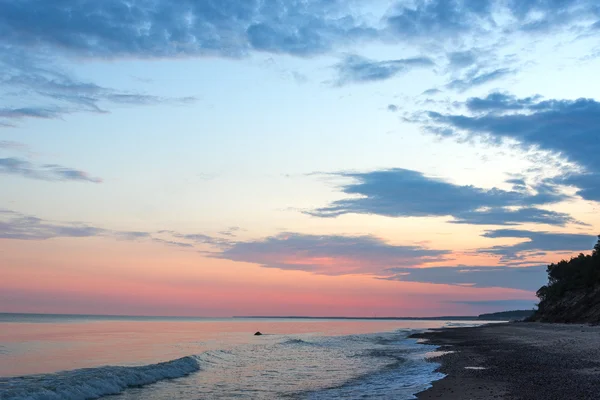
(92, 383)
(298, 342)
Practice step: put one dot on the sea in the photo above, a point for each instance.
(58, 357)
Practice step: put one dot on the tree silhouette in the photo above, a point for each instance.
(580, 273)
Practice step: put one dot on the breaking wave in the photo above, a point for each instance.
(92, 383)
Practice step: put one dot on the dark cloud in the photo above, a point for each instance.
(569, 128)
(525, 278)
(439, 18)
(453, 19)
(329, 254)
(505, 216)
(31, 112)
(162, 28)
(33, 32)
(537, 243)
(405, 193)
(587, 184)
(357, 69)
(49, 172)
(232, 28)
(392, 107)
(499, 102)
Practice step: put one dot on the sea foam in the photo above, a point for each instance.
(92, 383)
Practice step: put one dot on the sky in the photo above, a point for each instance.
(294, 157)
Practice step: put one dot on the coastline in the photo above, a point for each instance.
(523, 360)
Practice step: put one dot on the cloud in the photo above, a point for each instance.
(24, 227)
(537, 243)
(406, 193)
(462, 59)
(508, 304)
(569, 128)
(329, 254)
(31, 112)
(232, 231)
(439, 18)
(36, 33)
(431, 92)
(30, 78)
(48, 172)
(11, 145)
(162, 28)
(443, 19)
(18, 226)
(505, 216)
(524, 278)
(477, 78)
(172, 243)
(357, 69)
(499, 102)
(392, 107)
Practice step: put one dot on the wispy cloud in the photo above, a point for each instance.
(477, 78)
(48, 92)
(357, 69)
(12, 145)
(48, 172)
(18, 226)
(24, 227)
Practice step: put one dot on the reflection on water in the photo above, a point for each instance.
(297, 358)
(31, 348)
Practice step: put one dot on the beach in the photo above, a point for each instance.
(516, 361)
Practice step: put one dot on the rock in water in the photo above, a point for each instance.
(258, 334)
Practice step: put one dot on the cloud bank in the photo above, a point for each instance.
(568, 128)
(407, 193)
(537, 243)
(524, 278)
(329, 254)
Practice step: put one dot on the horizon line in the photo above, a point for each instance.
(31, 314)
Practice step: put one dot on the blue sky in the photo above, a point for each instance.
(322, 137)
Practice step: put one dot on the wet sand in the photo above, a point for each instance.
(517, 361)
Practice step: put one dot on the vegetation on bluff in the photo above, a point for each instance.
(573, 290)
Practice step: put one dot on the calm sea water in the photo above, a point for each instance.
(58, 357)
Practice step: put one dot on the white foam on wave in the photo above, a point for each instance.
(92, 383)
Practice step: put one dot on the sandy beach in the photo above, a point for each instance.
(517, 361)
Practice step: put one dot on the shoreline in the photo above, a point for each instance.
(523, 360)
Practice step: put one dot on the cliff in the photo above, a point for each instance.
(573, 290)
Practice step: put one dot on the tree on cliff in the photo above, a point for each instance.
(580, 274)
